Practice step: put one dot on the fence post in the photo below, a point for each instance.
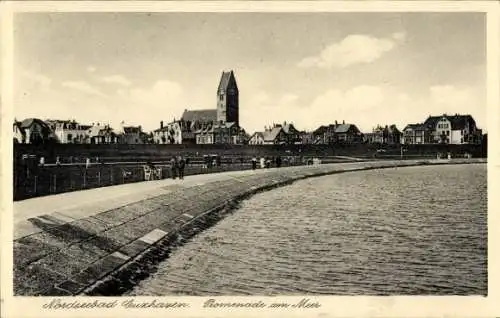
(85, 178)
(99, 178)
(36, 177)
(55, 183)
(111, 174)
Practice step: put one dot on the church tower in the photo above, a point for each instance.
(228, 99)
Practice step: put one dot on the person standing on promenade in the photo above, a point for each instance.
(254, 163)
(278, 161)
(262, 162)
(182, 165)
(173, 167)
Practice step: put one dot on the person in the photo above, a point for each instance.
(173, 167)
(278, 161)
(262, 162)
(182, 165)
(254, 163)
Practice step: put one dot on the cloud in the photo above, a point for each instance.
(353, 49)
(116, 79)
(35, 80)
(91, 69)
(450, 95)
(164, 100)
(83, 87)
(399, 36)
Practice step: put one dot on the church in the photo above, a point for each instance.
(208, 126)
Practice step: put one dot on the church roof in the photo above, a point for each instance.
(202, 115)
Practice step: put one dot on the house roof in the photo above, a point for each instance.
(270, 135)
(415, 127)
(258, 134)
(342, 128)
(337, 128)
(202, 115)
(131, 130)
(27, 123)
(19, 127)
(227, 79)
(289, 128)
(458, 122)
(212, 127)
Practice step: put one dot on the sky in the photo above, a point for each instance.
(306, 68)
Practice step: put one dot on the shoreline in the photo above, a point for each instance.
(120, 268)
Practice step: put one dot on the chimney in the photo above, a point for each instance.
(161, 124)
(343, 122)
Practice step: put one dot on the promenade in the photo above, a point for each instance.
(102, 241)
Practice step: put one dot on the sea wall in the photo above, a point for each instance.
(109, 252)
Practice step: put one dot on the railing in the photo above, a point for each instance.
(51, 179)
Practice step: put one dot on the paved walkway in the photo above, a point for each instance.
(65, 243)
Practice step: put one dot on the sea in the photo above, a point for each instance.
(399, 231)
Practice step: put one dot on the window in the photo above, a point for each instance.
(447, 133)
(221, 97)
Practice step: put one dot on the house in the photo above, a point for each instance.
(36, 131)
(389, 135)
(18, 133)
(130, 134)
(334, 133)
(307, 137)
(220, 133)
(454, 129)
(447, 129)
(270, 136)
(416, 134)
(102, 134)
(277, 134)
(292, 134)
(69, 131)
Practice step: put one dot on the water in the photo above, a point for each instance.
(419, 230)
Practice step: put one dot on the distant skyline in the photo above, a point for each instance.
(306, 68)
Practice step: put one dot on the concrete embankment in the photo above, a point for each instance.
(103, 241)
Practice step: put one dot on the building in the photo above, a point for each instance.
(19, 135)
(389, 135)
(102, 134)
(293, 136)
(274, 135)
(447, 129)
(206, 126)
(337, 133)
(69, 131)
(130, 134)
(228, 99)
(416, 134)
(33, 131)
(306, 137)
